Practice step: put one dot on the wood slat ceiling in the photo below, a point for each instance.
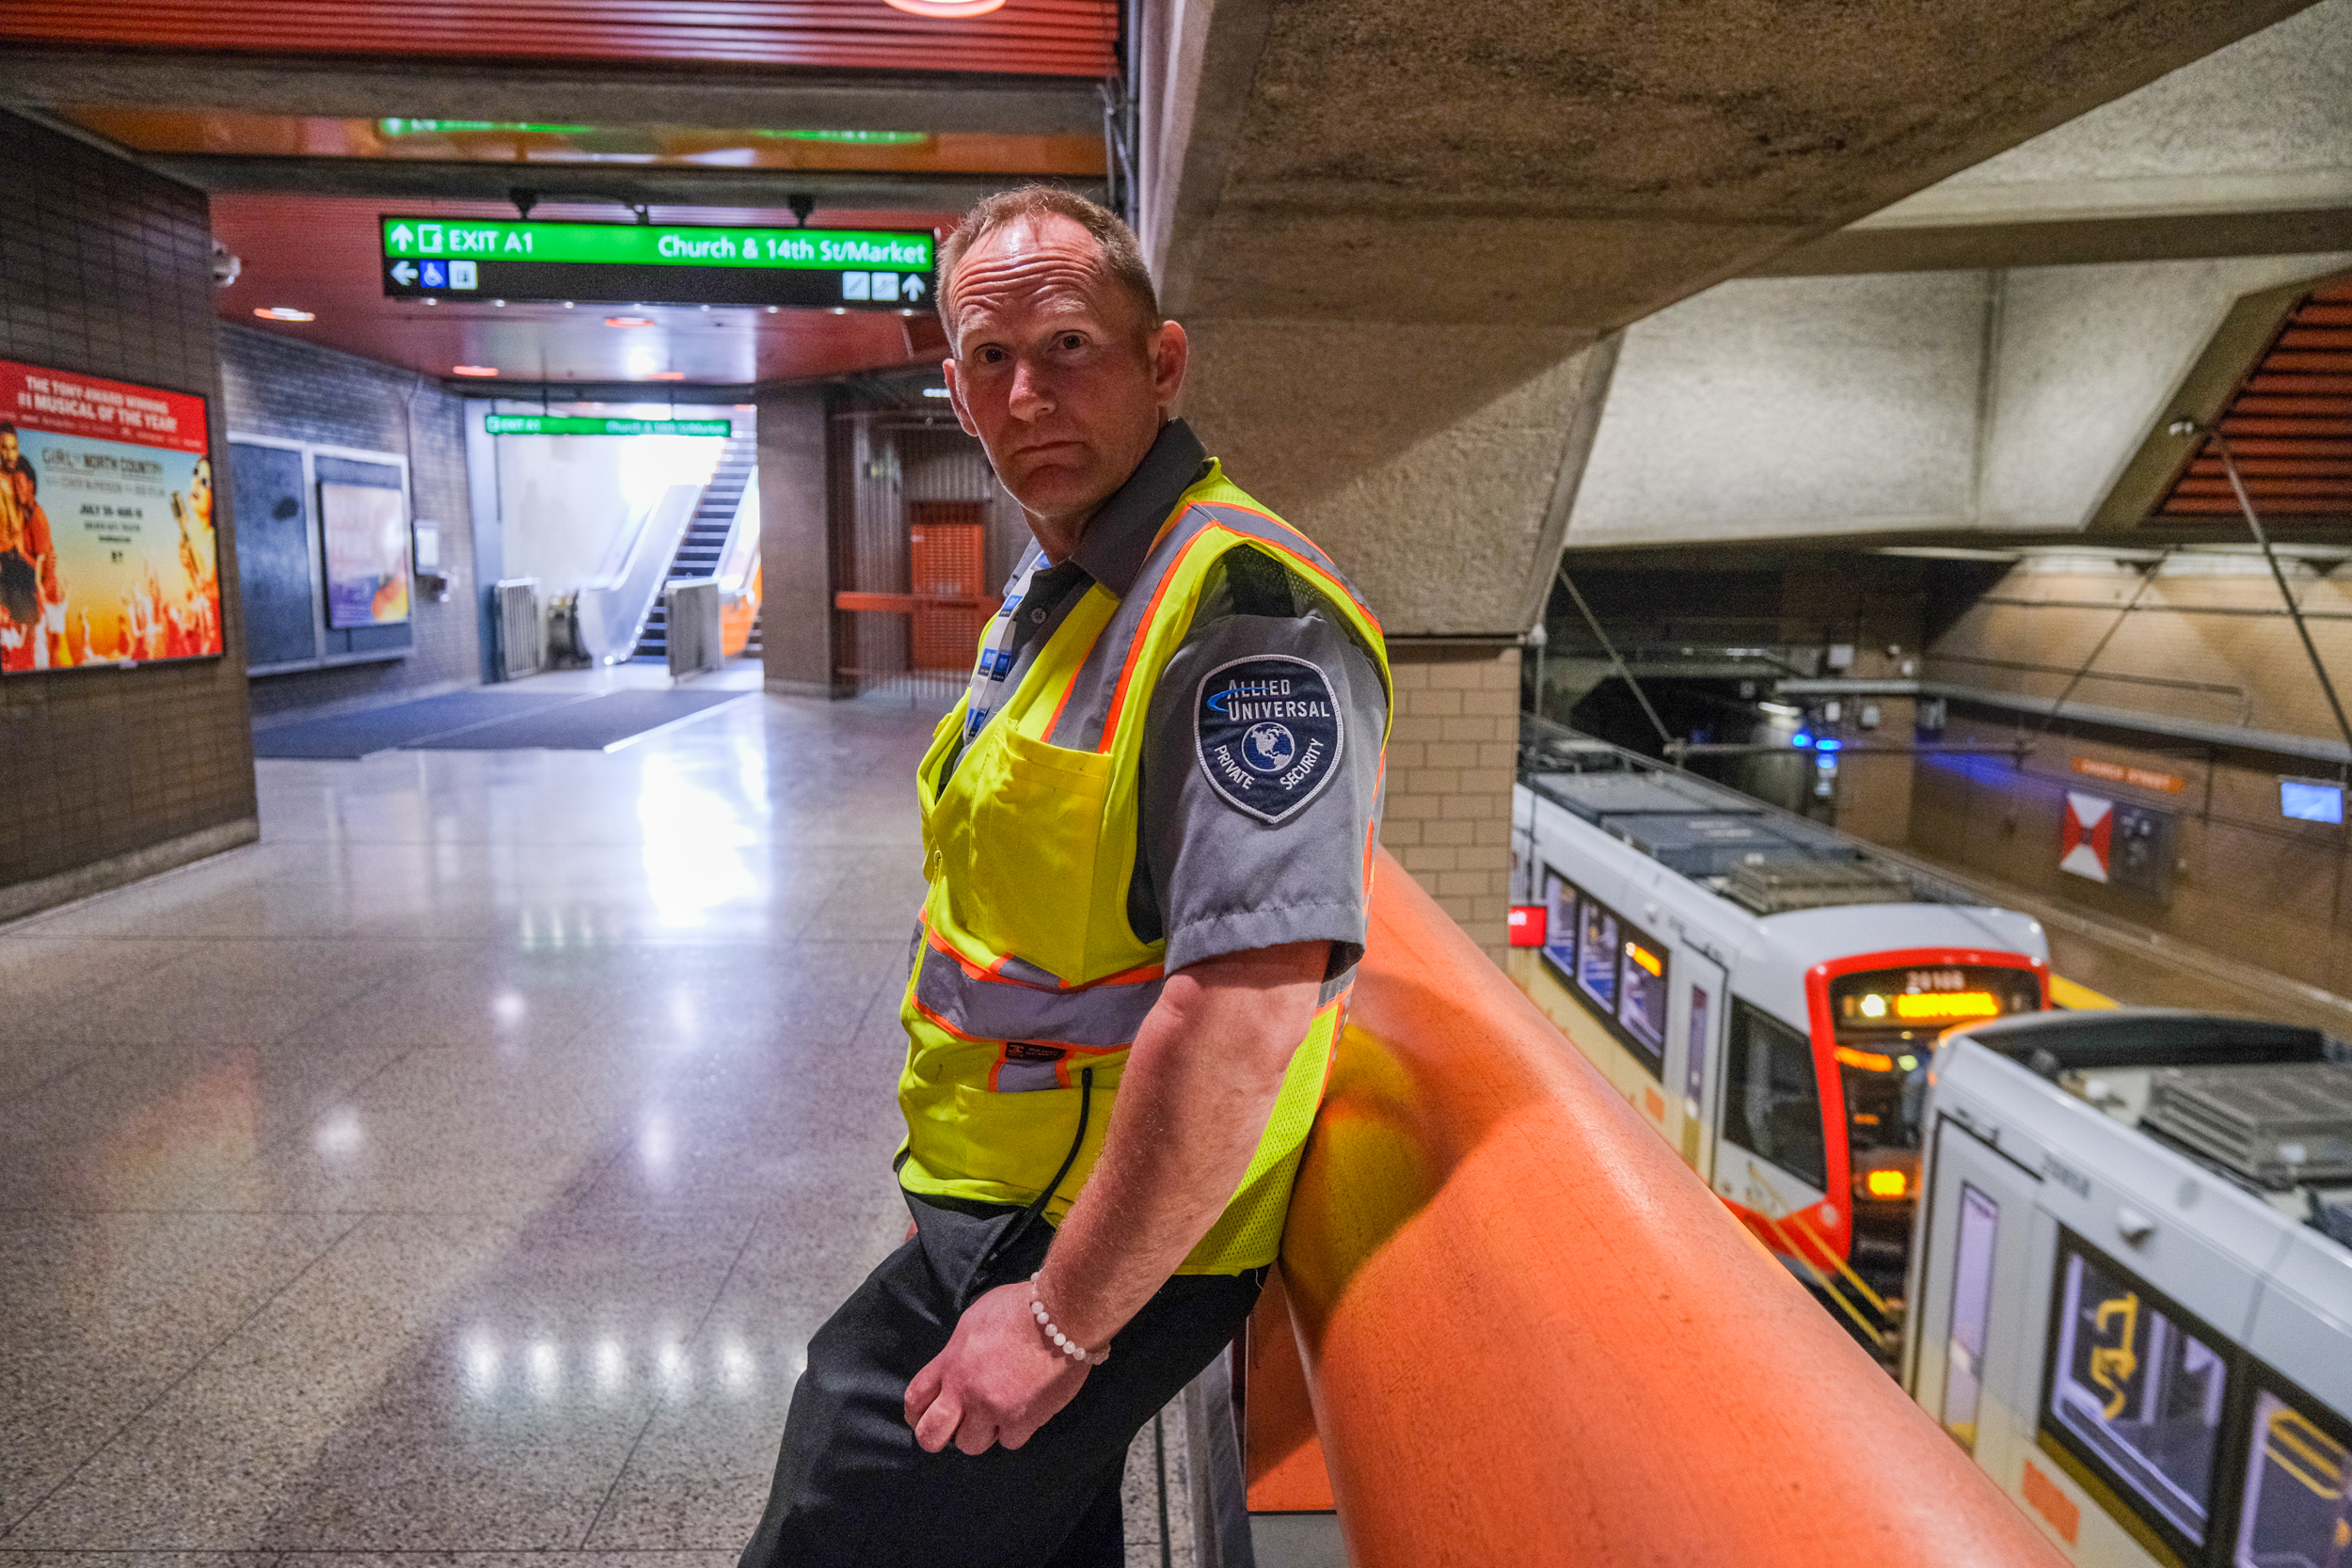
(2289, 425)
(1046, 37)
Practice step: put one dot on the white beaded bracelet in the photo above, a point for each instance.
(1062, 1342)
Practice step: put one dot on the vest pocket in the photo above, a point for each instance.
(1023, 858)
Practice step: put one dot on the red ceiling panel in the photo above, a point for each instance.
(2289, 426)
(1050, 38)
(320, 254)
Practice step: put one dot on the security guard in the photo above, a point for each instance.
(1146, 831)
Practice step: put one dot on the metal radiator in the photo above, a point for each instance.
(517, 615)
(695, 630)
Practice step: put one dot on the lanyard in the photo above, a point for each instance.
(989, 673)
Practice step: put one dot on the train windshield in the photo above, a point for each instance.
(1886, 1021)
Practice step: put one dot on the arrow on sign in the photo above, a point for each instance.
(403, 274)
(913, 288)
(400, 235)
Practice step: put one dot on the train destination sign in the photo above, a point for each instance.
(856, 269)
(573, 424)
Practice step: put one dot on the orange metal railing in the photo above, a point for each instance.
(1531, 1336)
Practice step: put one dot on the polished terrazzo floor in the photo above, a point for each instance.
(463, 1168)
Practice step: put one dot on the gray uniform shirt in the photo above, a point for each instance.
(1211, 877)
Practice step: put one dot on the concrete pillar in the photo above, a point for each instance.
(796, 612)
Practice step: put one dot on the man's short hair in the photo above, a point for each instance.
(1121, 253)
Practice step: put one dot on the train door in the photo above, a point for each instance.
(1771, 1158)
(1694, 1026)
(1975, 1348)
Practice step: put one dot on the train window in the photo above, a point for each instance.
(2297, 1508)
(1695, 1068)
(1773, 1100)
(1597, 955)
(1559, 923)
(1972, 1306)
(2136, 1394)
(1641, 998)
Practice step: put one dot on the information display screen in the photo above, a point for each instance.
(856, 269)
(107, 554)
(571, 425)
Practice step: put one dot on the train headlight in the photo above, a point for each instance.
(1884, 1183)
(1874, 1006)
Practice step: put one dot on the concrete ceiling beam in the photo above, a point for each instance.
(573, 93)
(1400, 229)
(423, 180)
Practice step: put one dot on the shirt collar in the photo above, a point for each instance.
(1120, 535)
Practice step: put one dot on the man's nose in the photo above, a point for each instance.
(1032, 399)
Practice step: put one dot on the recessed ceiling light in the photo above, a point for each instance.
(906, 312)
(934, 391)
(498, 302)
(474, 369)
(629, 321)
(949, 9)
(284, 313)
(706, 307)
(772, 309)
(840, 310)
(430, 300)
(568, 305)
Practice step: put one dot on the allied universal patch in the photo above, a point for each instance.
(1269, 734)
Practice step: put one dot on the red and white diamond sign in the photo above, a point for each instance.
(2083, 841)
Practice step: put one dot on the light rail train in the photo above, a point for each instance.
(2133, 1282)
(1763, 990)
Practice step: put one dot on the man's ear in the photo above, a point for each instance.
(1171, 352)
(955, 397)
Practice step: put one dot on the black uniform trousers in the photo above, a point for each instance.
(853, 1488)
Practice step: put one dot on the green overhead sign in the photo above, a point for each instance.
(656, 245)
(569, 424)
(457, 259)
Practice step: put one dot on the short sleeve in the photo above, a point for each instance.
(1261, 785)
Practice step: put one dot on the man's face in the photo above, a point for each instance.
(8, 449)
(1053, 369)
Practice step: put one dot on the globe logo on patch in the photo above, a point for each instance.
(1268, 747)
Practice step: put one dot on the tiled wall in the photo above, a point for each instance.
(1452, 756)
(275, 385)
(105, 269)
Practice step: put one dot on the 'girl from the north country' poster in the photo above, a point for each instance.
(107, 554)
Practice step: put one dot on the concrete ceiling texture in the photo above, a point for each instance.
(1464, 196)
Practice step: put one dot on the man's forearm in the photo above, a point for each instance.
(1198, 1087)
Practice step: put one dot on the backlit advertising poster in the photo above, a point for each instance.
(367, 555)
(107, 554)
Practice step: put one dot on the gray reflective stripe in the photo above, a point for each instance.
(1089, 708)
(1026, 1077)
(1335, 987)
(993, 1009)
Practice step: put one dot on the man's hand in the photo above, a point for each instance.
(997, 1382)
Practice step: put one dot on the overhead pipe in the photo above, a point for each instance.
(1531, 1336)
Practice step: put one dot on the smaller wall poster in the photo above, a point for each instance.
(107, 554)
(2122, 844)
(367, 554)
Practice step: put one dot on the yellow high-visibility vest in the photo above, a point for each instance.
(1028, 977)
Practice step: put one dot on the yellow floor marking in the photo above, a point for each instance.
(2068, 994)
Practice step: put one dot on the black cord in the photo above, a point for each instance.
(1020, 1227)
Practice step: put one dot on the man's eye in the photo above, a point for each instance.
(1073, 341)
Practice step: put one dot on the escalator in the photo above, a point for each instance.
(705, 540)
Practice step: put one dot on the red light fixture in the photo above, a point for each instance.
(1526, 924)
(629, 321)
(667, 375)
(947, 11)
(474, 369)
(284, 313)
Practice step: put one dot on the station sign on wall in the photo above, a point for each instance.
(854, 269)
(107, 554)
